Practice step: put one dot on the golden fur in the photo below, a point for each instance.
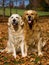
(32, 32)
(28, 30)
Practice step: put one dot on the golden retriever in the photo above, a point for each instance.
(16, 35)
(31, 31)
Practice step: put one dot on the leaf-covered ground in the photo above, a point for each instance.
(32, 58)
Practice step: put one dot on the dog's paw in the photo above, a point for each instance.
(44, 43)
(14, 55)
(24, 55)
(40, 54)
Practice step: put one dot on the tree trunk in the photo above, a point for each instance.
(35, 3)
(3, 8)
(16, 6)
(10, 8)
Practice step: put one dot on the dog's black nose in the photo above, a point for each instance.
(29, 17)
(14, 20)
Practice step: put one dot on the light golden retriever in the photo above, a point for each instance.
(31, 31)
(16, 35)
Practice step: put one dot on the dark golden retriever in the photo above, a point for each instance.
(31, 31)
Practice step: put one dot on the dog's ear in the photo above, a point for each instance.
(9, 23)
(23, 17)
(21, 21)
(36, 16)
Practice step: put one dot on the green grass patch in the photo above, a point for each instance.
(20, 12)
(5, 58)
(6, 63)
(1, 11)
(13, 11)
(42, 13)
(15, 62)
(37, 59)
(7, 11)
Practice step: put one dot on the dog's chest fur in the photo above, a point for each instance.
(16, 36)
(30, 34)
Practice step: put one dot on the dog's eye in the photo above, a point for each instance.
(26, 14)
(31, 13)
(11, 17)
(16, 17)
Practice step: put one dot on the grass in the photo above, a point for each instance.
(42, 13)
(37, 59)
(20, 12)
(14, 10)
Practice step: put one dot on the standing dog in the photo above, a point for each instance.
(31, 36)
(16, 36)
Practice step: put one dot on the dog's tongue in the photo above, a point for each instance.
(14, 24)
(29, 21)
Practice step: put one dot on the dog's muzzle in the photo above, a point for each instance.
(30, 20)
(15, 22)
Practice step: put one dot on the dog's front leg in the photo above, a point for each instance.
(23, 49)
(13, 51)
(40, 47)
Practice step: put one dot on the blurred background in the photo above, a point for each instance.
(7, 7)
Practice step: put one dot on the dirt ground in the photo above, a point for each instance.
(32, 58)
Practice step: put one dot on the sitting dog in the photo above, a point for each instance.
(32, 34)
(16, 35)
